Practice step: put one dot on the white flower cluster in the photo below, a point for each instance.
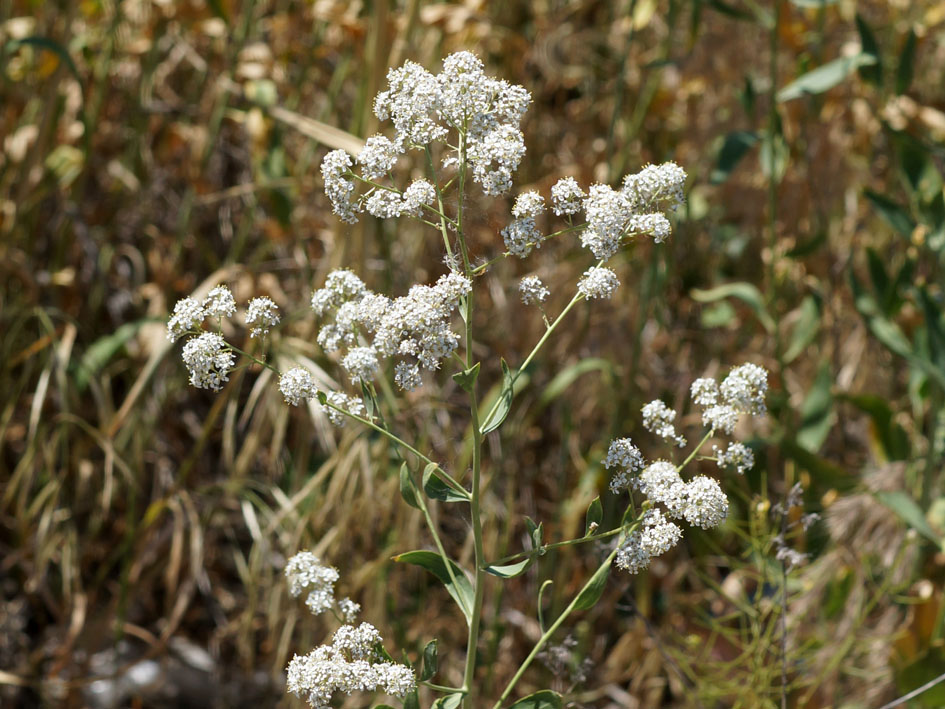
(658, 418)
(207, 356)
(533, 290)
(347, 403)
(423, 107)
(567, 196)
(296, 386)
(261, 315)
(350, 664)
(743, 391)
(598, 282)
(737, 455)
(700, 501)
(414, 328)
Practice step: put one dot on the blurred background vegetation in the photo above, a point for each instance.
(153, 148)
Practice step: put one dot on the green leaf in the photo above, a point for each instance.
(430, 662)
(817, 413)
(545, 699)
(412, 700)
(510, 571)
(541, 594)
(826, 473)
(872, 73)
(534, 531)
(408, 487)
(467, 378)
(593, 516)
(450, 701)
(436, 489)
(592, 592)
(461, 591)
(805, 329)
(745, 292)
(892, 213)
(908, 511)
(49, 45)
(735, 146)
(812, 4)
(102, 350)
(322, 397)
(368, 399)
(906, 69)
(503, 405)
(566, 377)
(824, 77)
(892, 436)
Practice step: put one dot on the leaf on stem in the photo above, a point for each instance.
(461, 591)
(545, 699)
(450, 701)
(408, 487)
(429, 661)
(501, 409)
(593, 516)
(592, 592)
(436, 489)
(745, 292)
(467, 378)
(509, 571)
(824, 77)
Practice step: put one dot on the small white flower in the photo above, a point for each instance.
(297, 385)
(220, 303)
(598, 282)
(745, 388)
(656, 184)
(567, 196)
(656, 225)
(188, 315)
(521, 236)
(706, 505)
(209, 360)
(338, 187)
(407, 376)
(625, 456)
(705, 392)
(533, 290)
(305, 572)
(345, 403)
(384, 204)
(349, 610)
(361, 364)
(720, 418)
(660, 482)
(261, 315)
(341, 286)
(658, 418)
(607, 213)
(737, 455)
(377, 157)
(419, 193)
(528, 204)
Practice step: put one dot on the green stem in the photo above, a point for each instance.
(695, 450)
(442, 211)
(595, 578)
(556, 545)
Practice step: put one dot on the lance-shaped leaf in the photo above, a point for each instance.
(460, 589)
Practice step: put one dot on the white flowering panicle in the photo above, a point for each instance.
(655, 185)
(528, 204)
(742, 392)
(342, 401)
(339, 187)
(209, 360)
(532, 290)
(658, 418)
(706, 505)
(654, 537)
(521, 236)
(598, 282)
(261, 315)
(661, 483)
(220, 303)
(296, 386)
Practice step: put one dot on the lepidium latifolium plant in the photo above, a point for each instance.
(461, 130)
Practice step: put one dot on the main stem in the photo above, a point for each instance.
(475, 621)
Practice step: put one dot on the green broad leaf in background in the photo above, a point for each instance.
(566, 377)
(805, 328)
(906, 69)
(873, 73)
(735, 146)
(545, 699)
(501, 410)
(50, 45)
(591, 593)
(450, 701)
(408, 487)
(100, 352)
(510, 571)
(813, 4)
(593, 516)
(817, 411)
(745, 292)
(891, 436)
(825, 77)
(908, 511)
(891, 212)
(436, 489)
(430, 663)
(461, 591)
